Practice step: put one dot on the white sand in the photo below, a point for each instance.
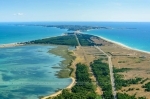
(124, 46)
(10, 45)
(120, 44)
(59, 92)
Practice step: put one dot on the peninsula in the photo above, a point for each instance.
(124, 76)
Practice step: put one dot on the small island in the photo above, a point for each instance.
(77, 28)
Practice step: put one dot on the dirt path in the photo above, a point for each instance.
(93, 78)
(111, 72)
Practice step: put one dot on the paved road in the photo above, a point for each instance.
(111, 71)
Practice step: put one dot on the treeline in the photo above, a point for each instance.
(126, 96)
(85, 40)
(120, 82)
(59, 40)
(147, 87)
(83, 89)
(121, 70)
(76, 27)
(69, 39)
(101, 72)
(84, 84)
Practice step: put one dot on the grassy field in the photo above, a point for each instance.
(62, 50)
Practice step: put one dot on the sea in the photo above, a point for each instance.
(26, 72)
(132, 34)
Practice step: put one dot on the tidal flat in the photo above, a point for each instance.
(26, 72)
(66, 53)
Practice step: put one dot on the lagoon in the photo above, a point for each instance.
(26, 72)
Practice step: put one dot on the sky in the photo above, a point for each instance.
(75, 10)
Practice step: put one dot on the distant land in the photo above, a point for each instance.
(80, 28)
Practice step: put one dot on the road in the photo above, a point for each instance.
(111, 71)
(77, 40)
(94, 78)
(80, 46)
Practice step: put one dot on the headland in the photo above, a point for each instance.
(130, 65)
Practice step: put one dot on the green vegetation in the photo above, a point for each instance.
(144, 80)
(59, 40)
(125, 96)
(76, 27)
(142, 98)
(101, 72)
(67, 39)
(120, 82)
(85, 40)
(63, 73)
(61, 50)
(121, 70)
(83, 89)
(84, 84)
(122, 62)
(147, 87)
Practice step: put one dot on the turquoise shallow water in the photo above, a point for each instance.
(12, 33)
(26, 72)
(134, 35)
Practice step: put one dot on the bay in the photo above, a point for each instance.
(26, 72)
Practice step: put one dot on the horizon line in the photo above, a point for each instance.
(73, 21)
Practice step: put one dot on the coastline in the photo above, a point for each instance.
(10, 45)
(54, 51)
(73, 79)
(59, 92)
(124, 46)
(120, 44)
(55, 93)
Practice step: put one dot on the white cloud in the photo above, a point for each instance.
(18, 14)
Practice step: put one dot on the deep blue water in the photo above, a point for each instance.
(19, 66)
(133, 34)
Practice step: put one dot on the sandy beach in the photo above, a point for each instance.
(59, 92)
(10, 45)
(122, 45)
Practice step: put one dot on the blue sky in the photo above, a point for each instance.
(75, 10)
